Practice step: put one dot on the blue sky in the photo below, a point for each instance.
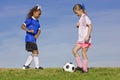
(59, 33)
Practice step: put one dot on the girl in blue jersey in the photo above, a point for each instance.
(32, 28)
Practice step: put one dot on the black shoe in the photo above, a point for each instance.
(79, 69)
(25, 67)
(85, 71)
(39, 68)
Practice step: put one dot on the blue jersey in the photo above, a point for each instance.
(31, 24)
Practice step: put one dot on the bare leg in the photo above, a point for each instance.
(77, 57)
(75, 50)
(84, 53)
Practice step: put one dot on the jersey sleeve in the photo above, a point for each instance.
(88, 21)
(27, 22)
(39, 26)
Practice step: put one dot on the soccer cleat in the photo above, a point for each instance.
(85, 71)
(25, 67)
(79, 69)
(39, 68)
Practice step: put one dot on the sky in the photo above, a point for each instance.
(59, 33)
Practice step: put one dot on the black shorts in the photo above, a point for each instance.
(30, 46)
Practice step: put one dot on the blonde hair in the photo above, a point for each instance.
(78, 7)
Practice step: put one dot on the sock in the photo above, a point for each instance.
(85, 65)
(78, 61)
(29, 60)
(36, 60)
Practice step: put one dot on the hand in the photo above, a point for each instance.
(36, 36)
(77, 25)
(30, 31)
(87, 39)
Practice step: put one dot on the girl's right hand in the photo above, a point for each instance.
(30, 31)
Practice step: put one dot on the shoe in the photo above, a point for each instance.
(79, 69)
(25, 67)
(85, 71)
(39, 68)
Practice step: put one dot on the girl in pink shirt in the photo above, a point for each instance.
(84, 39)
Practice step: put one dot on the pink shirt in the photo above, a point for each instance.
(83, 28)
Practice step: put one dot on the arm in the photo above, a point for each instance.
(88, 33)
(89, 29)
(38, 33)
(25, 29)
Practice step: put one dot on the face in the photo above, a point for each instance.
(37, 14)
(78, 12)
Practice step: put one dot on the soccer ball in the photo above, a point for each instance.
(69, 67)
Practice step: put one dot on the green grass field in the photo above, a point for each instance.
(59, 74)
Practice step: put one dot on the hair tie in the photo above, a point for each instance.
(83, 6)
(38, 6)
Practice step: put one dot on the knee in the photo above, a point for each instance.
(74, 51)
(35, 52)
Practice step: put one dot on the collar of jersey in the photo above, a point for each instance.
(82, 15)
(34, 18)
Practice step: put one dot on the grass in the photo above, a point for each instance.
(59, 74)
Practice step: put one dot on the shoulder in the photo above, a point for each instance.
(87, 19)
(86, 16)
(28, 21)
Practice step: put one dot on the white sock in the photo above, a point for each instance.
(36, 60)
(29, 60)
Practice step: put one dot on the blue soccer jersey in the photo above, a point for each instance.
(31, 24)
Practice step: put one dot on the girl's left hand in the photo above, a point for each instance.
(87, 39)
(36, 36)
